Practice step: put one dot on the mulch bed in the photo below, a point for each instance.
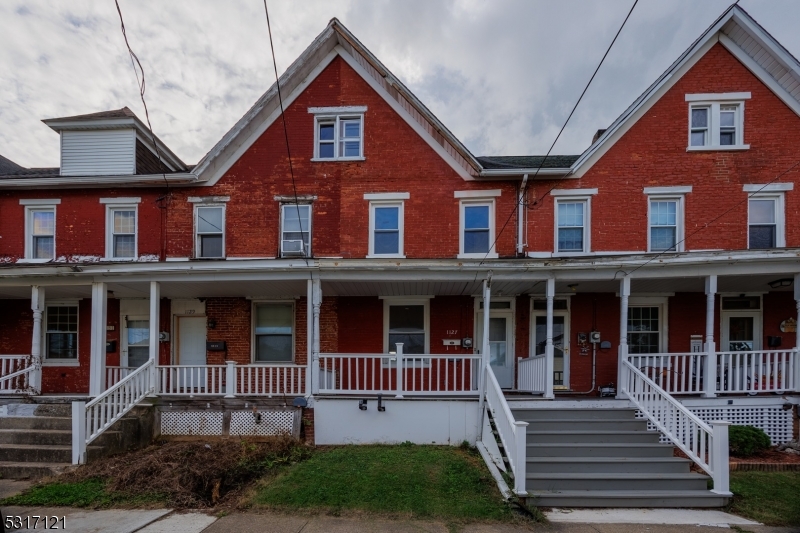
(768, 461)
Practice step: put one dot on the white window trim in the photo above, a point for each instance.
(208, 199)
(121, 201)
(61, 361)
(768, 188)
(389, 301)
(713, 123)
(492, 254)
(387, 196)
(679, 220)
(400, 204)
(573, 192)
(485, 194)
(662, 302)
(336, 114)
(717, 97)
(196, 252)
(780, 216)
(253, 306)
(43, 202)
(679, 189)
(587, 224)
(29, 210)
(310, 229)
(110, 208)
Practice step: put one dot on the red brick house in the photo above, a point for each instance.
(667, 252)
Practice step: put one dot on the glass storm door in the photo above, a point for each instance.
(136, 339)
(500, 350)
(559, 349)
(741, 332)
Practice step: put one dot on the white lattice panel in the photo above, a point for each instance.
(191, 423)
(775, 421)
(272, 423)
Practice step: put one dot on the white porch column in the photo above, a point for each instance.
(97, 364)
(155, 321)
(309, 337)
(484, 364)
(624, 294)
(37, 306)
(316, 303)
(797, 334)
(548, 349)
(710, 370)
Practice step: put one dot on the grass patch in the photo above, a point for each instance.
(88, 493)
(434, 482)
(768, 497)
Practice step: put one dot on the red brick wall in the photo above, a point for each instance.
(593, 312)
(72, 379)
(233, 318)
(779, 306)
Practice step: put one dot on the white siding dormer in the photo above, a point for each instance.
(110, 152)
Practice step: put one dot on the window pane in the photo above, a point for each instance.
(476, 242)
(570, 240)
(211, 246)
(124, 221)
(700, 118)
(351, 149)
(727, 116)
(351, 129)
(741, 302)
(62, 345)
(762, 237)
(476, 217)
(570, 214)
(662, 239)
(406, 318)
(762, 211)
(274, 319)
(291, 222)
(663, 213)
(698, 138)
(124, 245)
(43, 247)
(413, 343)
(62, 332)
(43, 222)
(209, 219)
(326, 150)
(274, 348)
(643, 326)
(326, 132)
(387, 217)
(387, 242)
(138, 332)
(727, 137)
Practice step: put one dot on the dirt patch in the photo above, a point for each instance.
(192, 474)
(769, 456)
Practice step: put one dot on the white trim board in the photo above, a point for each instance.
(679, 189)
(768, 187)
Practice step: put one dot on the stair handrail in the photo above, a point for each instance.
(706, 445)
(90, 420)
(4, 380)
(512, 433)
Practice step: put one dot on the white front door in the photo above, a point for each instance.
(191, 340)
(135, 341)
(560, 344)
(741, 331)
(501, 344)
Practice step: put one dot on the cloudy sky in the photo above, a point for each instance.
(501, 74)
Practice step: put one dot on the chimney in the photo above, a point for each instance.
(597, 135)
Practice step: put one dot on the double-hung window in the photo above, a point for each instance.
(716, 121)
(273, 329)
(61, 332)
(210, 231)
(572, 220)
(338, 133)
(644, 329)
(40, 229)
(477, 224)
(386, 224)
(665, 218)
(121, 227)
(406, 322)
(295, 230)
(766, 225)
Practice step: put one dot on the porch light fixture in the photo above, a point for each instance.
(573, 286)
(212, 324)
(783, 282)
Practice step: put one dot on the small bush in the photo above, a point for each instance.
(744, 441)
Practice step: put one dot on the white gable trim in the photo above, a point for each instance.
(717, 97)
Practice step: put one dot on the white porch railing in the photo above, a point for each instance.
(532, 374)
(399, 374)
(114, 374)
(191, 380)
(512, 433)
(214, 380)
(14, 373)
(757, 371)
(706, 446)
(89, 420)
(270, 380)
(676, 373)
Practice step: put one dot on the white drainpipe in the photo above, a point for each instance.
(520, 212)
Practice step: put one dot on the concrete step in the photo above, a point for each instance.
(47, 437)
(32, 453)
(14, 470)
(590, 424)
(575, 414)
(608, 465)
(593, 437)
(599, 449)
(35, 422)
(626, 498)
(605, 481)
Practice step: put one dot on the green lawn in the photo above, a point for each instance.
(88, 493)
(769, 497)
(437, 482)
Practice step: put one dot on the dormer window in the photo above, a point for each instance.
(716, 121)
(338, 133)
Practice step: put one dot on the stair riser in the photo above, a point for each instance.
(587, 425)
(565, 450)
(591, 438)
(673, 502)
(35, 422)
(653, 483)
(29, 471)
(33, 437)
(573, 414)
(566, 467)
(36, 455)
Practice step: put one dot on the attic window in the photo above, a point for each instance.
(338, 133)
(716, 121)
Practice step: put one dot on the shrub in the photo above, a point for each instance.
(745, 441)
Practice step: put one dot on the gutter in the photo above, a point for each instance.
(520, 211)
(518, 172)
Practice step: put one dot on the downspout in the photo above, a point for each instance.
(520, 212)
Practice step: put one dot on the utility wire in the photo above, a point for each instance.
(286, 136)
(541, 163)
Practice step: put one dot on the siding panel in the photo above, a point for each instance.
(95, 153)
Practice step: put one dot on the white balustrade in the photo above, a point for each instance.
(706, 446)
(191, 380)
(532, 374)
(15, 372)
(676, 373)
(512, 433)
(401, 374)
(270, 380)
(89, 420)
(756, 371)
(115, 374)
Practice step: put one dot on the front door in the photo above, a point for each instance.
(501, 351)
(560, 347)
(741, 331)
(191, 340)
(135, 341)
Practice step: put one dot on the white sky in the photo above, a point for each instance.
(501, 74)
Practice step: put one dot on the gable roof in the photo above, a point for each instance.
(741, 35)
(114, 113)
(8, 166)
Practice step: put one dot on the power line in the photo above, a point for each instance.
(541, 163)
(286, 136)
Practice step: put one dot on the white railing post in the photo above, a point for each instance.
(549, 350)
(796, 366)
(37, 306)
(520, 464)
(710, 370)
(797, 334)
(97, 359)
(719, 457)
(484, 362)
(78, 433)
(401, 367)
(624, 294)
(316, 295)
(155, 320)
(230, 379)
